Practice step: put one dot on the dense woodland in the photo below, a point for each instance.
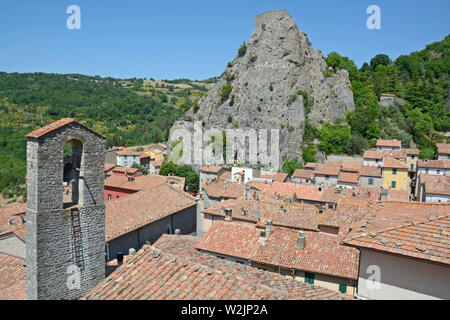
(129, 112)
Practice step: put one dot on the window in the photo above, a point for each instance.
(327, 177)
(411, 167)
(342, 288)
(393, 184)
(412, 157)
(438, 171)
(448, 157)
(371, 181)
(309, 277)
(109, 197)
(394, 171)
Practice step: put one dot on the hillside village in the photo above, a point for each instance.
(359, 211)
(315, 233)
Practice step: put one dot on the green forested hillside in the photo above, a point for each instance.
(421, 79)
(28, 101)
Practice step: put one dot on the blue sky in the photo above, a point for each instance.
(168, 39)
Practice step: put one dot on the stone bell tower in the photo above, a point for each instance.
(65, 239)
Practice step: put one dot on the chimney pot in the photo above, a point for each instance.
(268, 228)
(177, 232)
(228, 214)
(301, 240)
(131, 252)
(119, 258)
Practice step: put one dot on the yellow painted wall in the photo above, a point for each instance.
(401, 178)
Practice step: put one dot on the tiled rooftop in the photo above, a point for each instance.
(369, 154)
(348, 177)
(38, 133)
(296, 215)
(399, 195)
(131, 212)
(389, 162)
(287, 189)
(387, 216)
(173, 269)
(443, 148)
(426, 238)
(211, 169)
(327, 169)
(221, 189)
(436, 184)
(143, 182)
(435, 164)
(370, 171)
(12, 278)
(304, 174)
(322, 254)
(389, 143)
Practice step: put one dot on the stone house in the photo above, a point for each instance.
(443, 151)
(370, 176)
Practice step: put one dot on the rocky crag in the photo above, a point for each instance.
(277, 82)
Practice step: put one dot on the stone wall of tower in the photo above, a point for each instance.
(50, 227)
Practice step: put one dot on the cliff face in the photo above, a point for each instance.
(278, 62)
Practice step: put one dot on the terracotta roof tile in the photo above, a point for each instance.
(211, 169)
(12, 278)
(389, 143)
(287, 189)
(295, 215)
(437, 164)
(348, 177)
(399, 195)
(370, 154)
(443, 148)
(304, 174)
(351, 166)
(370, 171)
(221, 189)
(425, 238)
(322, 254)
(327, 169)
(389, 162)
(173, 269)
(435, 184)
(131, 212)
(311, 165)
(38, 133)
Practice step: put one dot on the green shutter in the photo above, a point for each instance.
(309, 277)
(342, 288)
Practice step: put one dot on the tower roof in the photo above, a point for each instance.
(38, 133)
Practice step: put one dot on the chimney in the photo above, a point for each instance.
(268, 228)
(301, 240)
(119, 258)
(228, 215)
(177, 232)
(262, 237)
(131, 252)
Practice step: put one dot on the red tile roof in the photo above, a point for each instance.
(140, 182)
(221, 189)
(157, 163)
(435, 164)
(280, 177)
(295, 215)
(109, 166)
(172, 269)
(211, 169)
(435, 184)
(322, 254)
(399, 195)
(128, 152)
(443, 148)
(388, 216)
(125, 170)
(287, 189)
(348, 212)
(133, 211)
(369, 154)
(311, 165)
(371, 193)
(389, 143)
(370, 171)
(304, 174)
(261, 186)
(12, 278)
(351, 166)
(57, 125)
(11, 212)
(328, 169)
(389, 162)
(424, 238)
(348, 177)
